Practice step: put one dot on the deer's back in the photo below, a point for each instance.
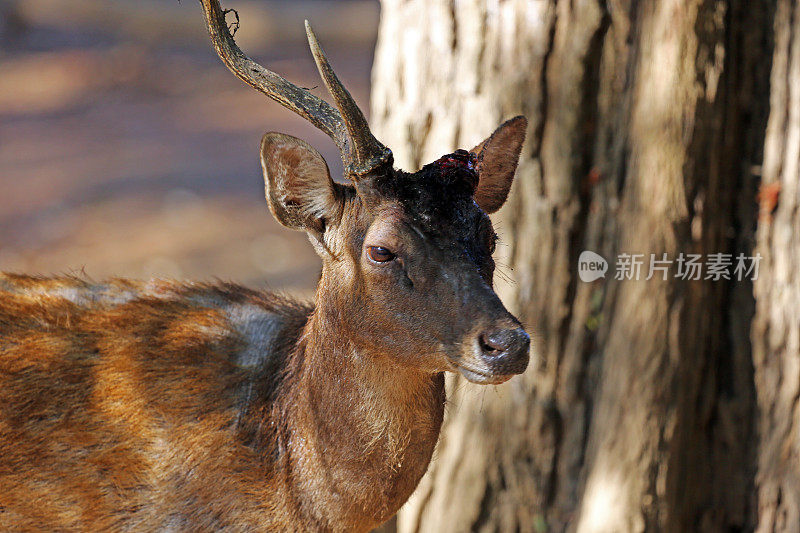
(120, 403)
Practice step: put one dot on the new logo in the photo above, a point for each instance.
(591, 266)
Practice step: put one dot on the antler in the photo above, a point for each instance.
(366, 149)
(361, 152)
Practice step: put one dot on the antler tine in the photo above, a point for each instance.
(317, 111)
(367, 152)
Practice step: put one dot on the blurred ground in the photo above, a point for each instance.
(127, 149)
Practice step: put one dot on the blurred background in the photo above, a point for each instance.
(128, 149)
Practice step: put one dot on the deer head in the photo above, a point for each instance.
(407, 257)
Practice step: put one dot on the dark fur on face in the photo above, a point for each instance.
(439, 200)
(438, 194)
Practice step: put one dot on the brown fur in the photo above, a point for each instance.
(126, 415)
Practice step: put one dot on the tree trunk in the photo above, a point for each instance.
(646, 121)
(776, 330)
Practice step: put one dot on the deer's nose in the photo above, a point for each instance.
(506, 350)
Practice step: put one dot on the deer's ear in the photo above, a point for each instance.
(496, 162)
(299, 189)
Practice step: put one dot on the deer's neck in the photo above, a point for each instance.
(362, 427)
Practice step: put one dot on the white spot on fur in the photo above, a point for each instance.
(259, 328)
(87, 296)
(71, 294)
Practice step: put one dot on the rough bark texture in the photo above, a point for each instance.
(646, 122)
(776, 330)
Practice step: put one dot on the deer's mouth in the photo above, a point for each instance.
(481, 377)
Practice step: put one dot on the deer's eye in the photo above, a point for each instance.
(379, 254)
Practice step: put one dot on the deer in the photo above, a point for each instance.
(167, 405)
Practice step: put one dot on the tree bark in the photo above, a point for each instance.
(646, 121)
(776, 330)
